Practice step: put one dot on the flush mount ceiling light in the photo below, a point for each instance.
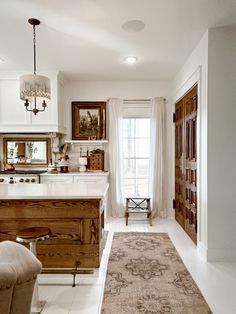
(133, 26)
(34, 89)
(131, 59)
(1, 60)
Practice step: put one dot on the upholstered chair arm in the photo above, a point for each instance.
(7, 281)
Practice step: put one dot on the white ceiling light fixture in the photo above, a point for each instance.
(1, 60)
(131, 60)
(35, 89)
(133, 26)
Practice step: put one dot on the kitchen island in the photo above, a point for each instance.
(73, 212)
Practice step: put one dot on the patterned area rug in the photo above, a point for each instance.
(146, 275)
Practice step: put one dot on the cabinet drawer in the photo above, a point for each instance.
(91, 179)
(56, 179)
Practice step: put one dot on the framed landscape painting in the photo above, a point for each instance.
(88, 120)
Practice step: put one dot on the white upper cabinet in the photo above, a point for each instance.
(15, 118)
(12, 112)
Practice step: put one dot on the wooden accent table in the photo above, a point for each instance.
(138, 205)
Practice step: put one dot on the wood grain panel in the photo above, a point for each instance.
(185, 162)
(49, 208)
(76, 227)
(68, 256)
(179, 170)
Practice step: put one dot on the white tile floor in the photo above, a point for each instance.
(217, 281)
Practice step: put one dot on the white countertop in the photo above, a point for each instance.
(53, 191)
(86, 173)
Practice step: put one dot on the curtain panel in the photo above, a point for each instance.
(158, 169)
(117, 199)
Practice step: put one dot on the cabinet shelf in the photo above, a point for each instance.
(87, 142)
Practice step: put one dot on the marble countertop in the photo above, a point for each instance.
(86, 173)
(53, 191)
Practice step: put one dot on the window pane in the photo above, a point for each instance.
(128, 148)
(143, 148)
(136, 156)
(142, 187)
(142, 127)
(129, 187)
(129, 168)
(142, 167)
(128, 127)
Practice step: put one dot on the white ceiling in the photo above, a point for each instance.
(84, 38)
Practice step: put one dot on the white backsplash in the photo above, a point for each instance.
(74, 152)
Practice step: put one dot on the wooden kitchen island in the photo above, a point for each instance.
(73, 212)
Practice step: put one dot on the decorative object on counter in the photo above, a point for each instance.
(63, 160)
(82, 164)
(63, 165)
(88, 120)
(96, 160)
(9, 167)
(63, 152)
(52, 168)
(35, 88)
(88, 159)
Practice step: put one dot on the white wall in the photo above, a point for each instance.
(95, 91)
(196, 70)
(103, 90)
(213, 65)
(222, 144)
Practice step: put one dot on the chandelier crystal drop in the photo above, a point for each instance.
(34, 89)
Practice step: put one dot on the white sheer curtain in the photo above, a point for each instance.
(115, 162)
(158, 168)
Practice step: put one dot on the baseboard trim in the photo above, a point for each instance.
(171, 213)
(202, 251)
(216, 255)
(221, 255)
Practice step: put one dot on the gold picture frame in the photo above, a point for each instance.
(24, 147)
(88, 120)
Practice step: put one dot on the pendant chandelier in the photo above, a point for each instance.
(34, 89)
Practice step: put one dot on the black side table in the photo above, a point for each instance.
(138, 205)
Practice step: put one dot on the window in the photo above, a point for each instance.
(136, 156)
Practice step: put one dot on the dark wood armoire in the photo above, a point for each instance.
(185, 118)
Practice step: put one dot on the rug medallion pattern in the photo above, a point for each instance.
(146, 275)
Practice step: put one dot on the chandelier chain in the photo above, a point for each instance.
(34, 41)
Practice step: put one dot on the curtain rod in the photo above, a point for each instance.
(145, 99)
